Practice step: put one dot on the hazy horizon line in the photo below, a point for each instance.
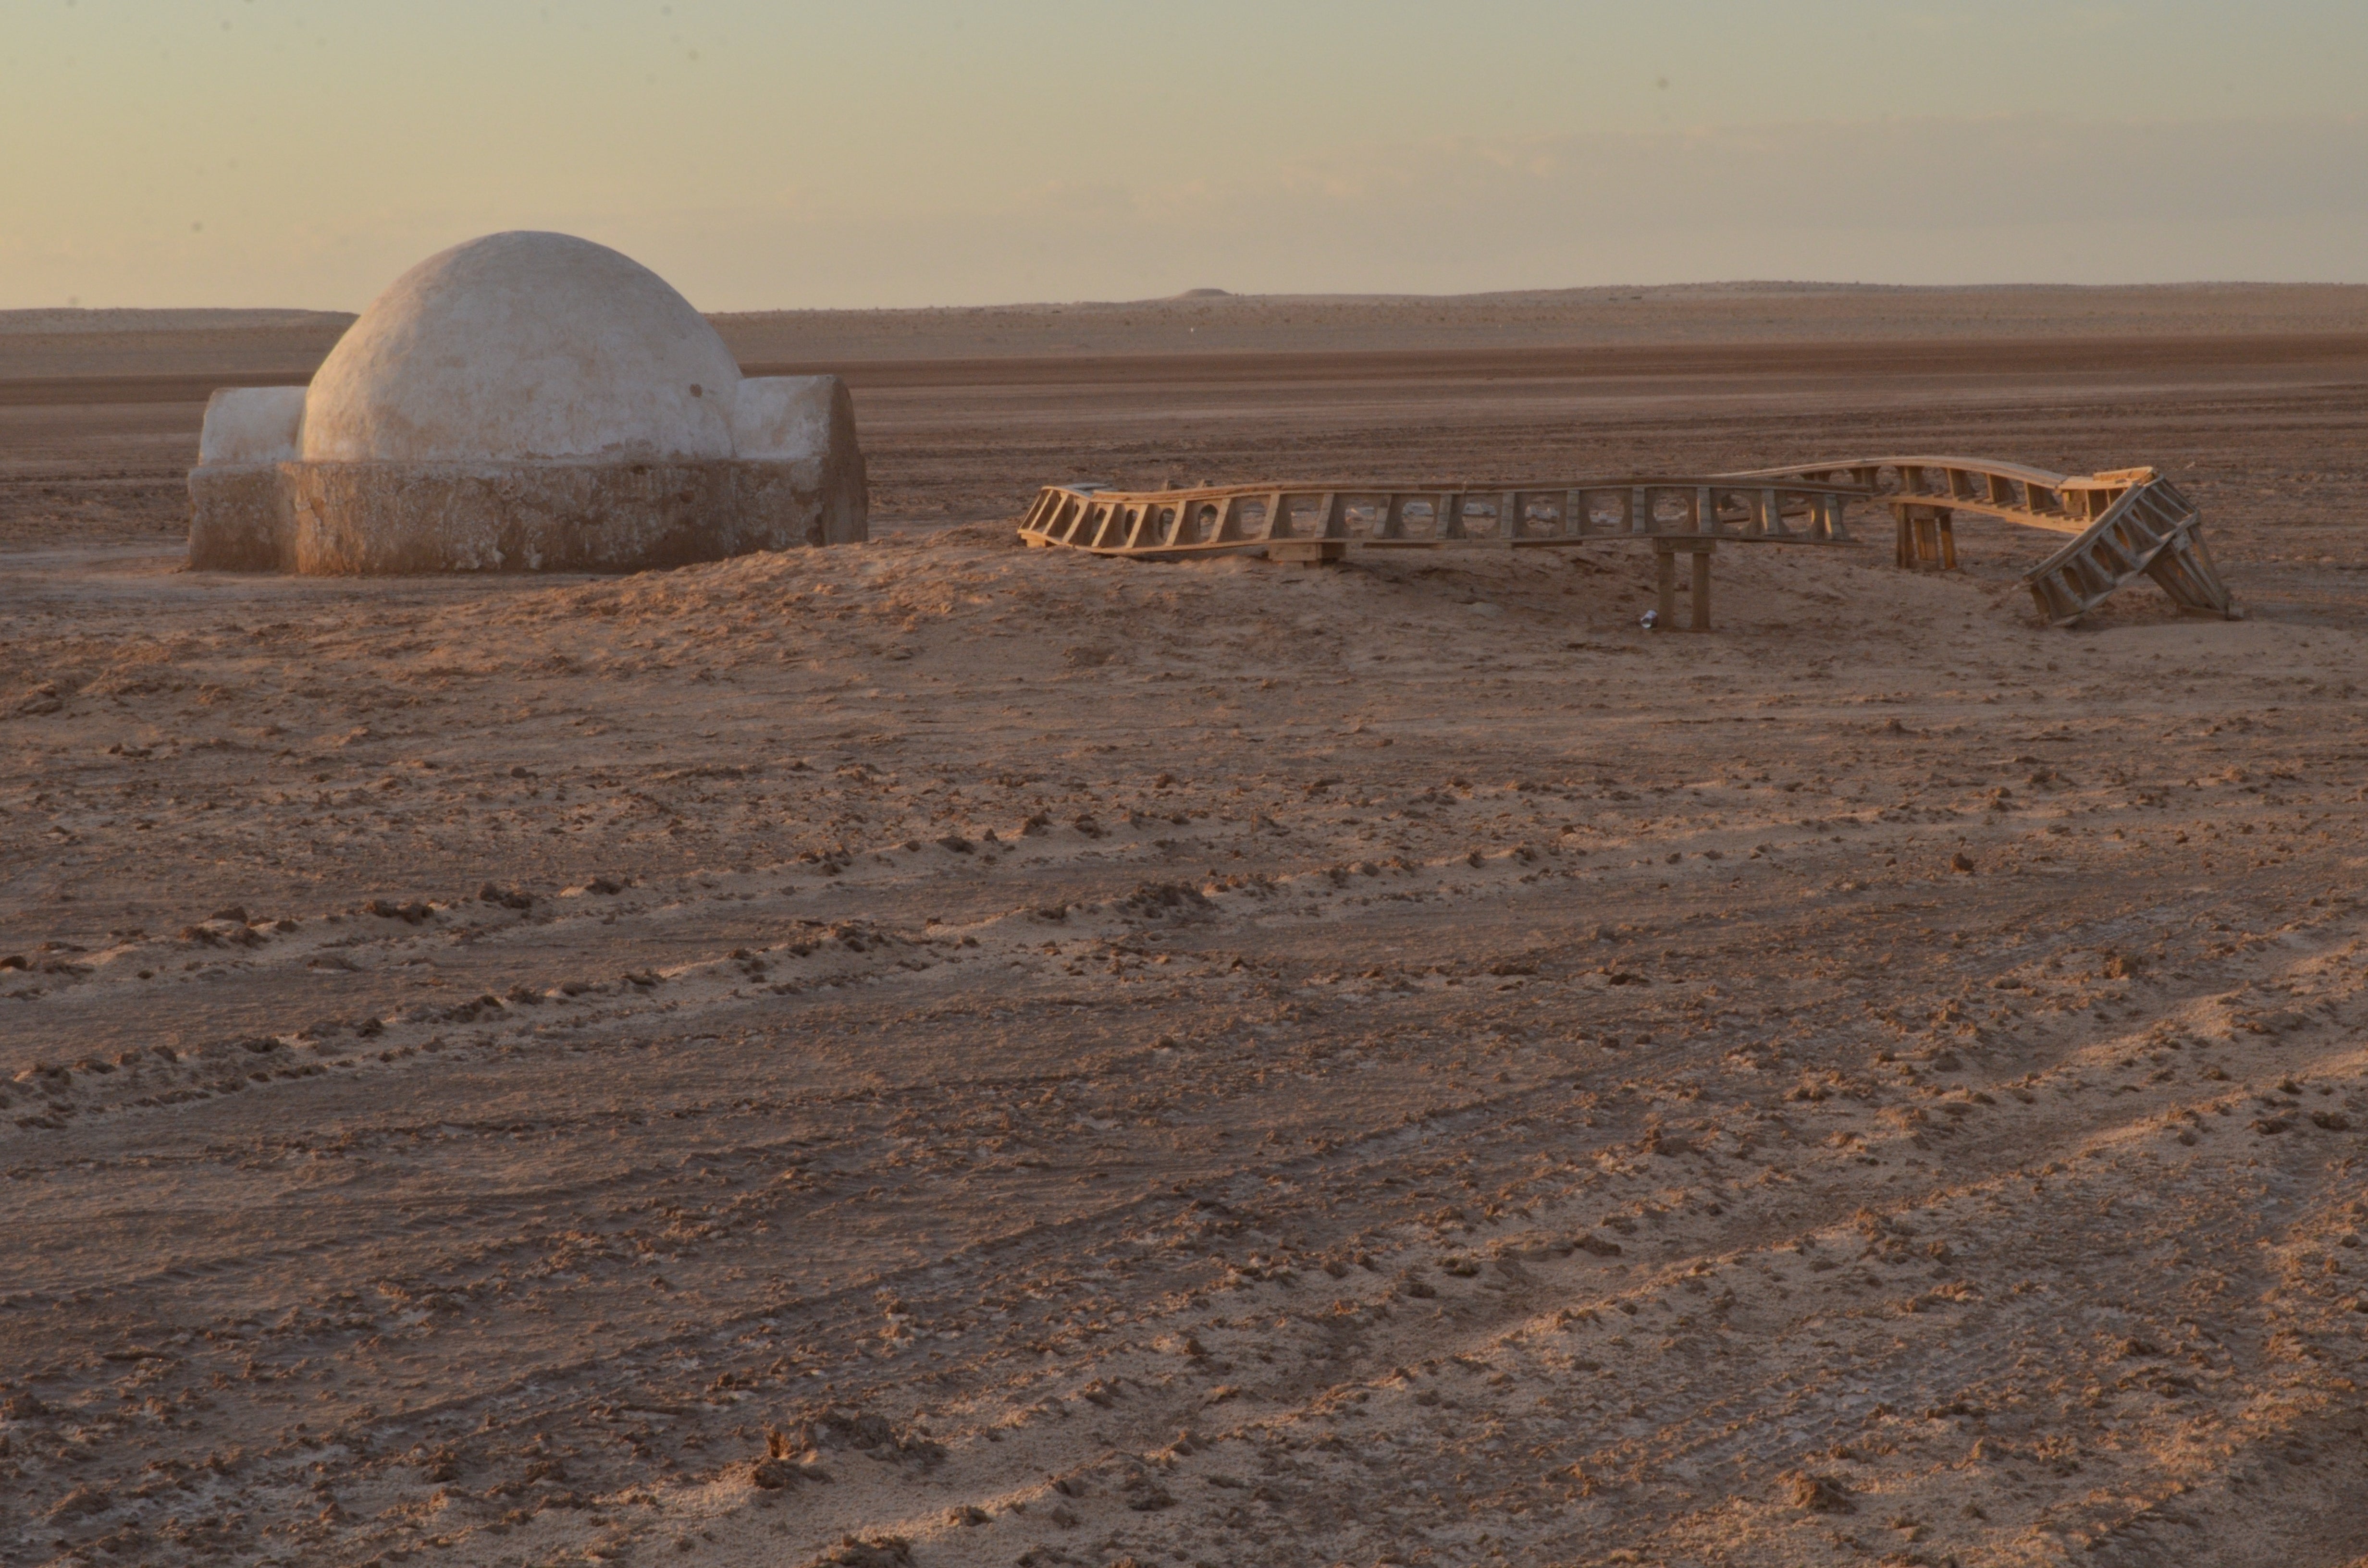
(1210, 296)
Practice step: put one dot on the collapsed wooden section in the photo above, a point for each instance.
(2126, 523)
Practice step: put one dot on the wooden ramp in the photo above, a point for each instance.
(2125, 524)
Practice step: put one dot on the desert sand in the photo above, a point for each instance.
(934, 1053)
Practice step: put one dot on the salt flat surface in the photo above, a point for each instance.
(1209, 1062)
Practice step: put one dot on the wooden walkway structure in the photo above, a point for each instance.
(2125, 524)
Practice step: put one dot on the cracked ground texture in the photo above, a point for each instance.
(934, 1053)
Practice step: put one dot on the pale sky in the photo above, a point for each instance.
(777, 156)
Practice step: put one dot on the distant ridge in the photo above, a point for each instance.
(65, 320)
(206, 348)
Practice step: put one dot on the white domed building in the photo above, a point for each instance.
(521, 403)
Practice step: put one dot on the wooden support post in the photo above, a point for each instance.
(1666, 551)
(1928, 537)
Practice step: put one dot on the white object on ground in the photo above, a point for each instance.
(524, 402)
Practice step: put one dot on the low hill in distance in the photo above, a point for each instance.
(49, 342)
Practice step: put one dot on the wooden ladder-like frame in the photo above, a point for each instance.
(2127, 523)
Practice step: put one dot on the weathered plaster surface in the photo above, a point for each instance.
(251, 425)
(524, 346)
(524, 403)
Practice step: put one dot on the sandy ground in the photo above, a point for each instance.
(936, 1052)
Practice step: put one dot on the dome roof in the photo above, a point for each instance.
(523, 346)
